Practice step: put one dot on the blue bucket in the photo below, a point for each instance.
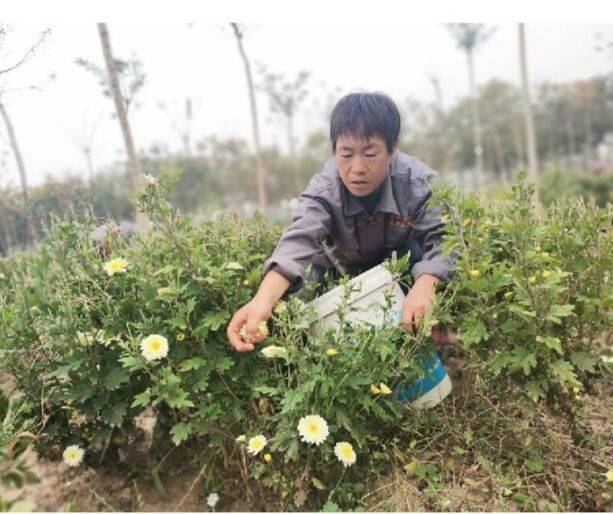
(431, 388)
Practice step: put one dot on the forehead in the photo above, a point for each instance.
(357, 143)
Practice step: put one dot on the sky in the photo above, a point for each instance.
(201, 61)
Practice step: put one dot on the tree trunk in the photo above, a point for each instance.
(290, 136)
(528, 118)
(133, 165)
(188, 127)
(20, 165)
(260, 172)
(476, 121)
(90, 165)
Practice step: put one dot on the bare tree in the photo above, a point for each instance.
(468, 37)
(120, 108)
(527, 103)
(239, 33)
(285, 97)
(26, 56)
(184, 127)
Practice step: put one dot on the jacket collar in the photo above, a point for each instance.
(387, 202)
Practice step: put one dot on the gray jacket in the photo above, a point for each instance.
(328, 212)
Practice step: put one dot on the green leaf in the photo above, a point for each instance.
(291, 399)
(584, 362)
(143, 399)
(535, 465)
(330, 506)
(552, 343)
(114, 414)
(190, 364)
(214, 320)
(473, 331)
(115, 378)
(559, 311)
(564, 370)
(180, 432)
(132, 363)
(522, 359)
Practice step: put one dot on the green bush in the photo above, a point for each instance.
(532, 292)
(77, 334)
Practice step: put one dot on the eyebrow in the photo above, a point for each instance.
(369, 146)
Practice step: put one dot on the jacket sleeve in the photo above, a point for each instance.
(301, 241)
(429, 229)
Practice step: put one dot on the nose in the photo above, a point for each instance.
(358, 166)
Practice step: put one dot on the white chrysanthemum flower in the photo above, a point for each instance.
(313, 429)
(113, 266)
(256, 444)
(272, 351)
(345, 453)
(154, 347)
(241, 438)
(73, 455)
(150, 179)
(212, 499)
(235, 266)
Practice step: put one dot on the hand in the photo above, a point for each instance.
(248, 317)
(418, 302)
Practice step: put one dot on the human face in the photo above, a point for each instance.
(363, 164)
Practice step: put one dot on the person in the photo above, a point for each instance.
(369, 200)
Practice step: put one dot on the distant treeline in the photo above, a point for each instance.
(574, 124)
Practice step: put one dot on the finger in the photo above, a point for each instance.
(235, 339)
(407, 320)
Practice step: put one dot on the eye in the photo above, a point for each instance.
(346, 156)
(371, 154)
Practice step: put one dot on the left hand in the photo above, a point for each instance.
(418, 301)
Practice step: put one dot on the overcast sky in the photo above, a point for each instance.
(202, 62)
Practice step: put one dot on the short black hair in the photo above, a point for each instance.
(366, 115)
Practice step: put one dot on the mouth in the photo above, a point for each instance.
(359, 183)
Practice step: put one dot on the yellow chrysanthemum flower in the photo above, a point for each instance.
(246, 282)
(545, 254)
(180, 336)
(344, 452)
(154, 347)
(272, 351)
(280, 307)
(546, 273)
(235, 266)
(331, 352)
(374, 389)
(445, 218)
(384, 389)
(537, 248)
(609, 475)
(268, 457)
(118, 265)
(480, 239)
(474, 273)
(508, 294)
(467, 221)
(313, 429)
(73, 455)
(256, 444)
(532, 279)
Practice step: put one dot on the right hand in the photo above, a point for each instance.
(249, 316)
